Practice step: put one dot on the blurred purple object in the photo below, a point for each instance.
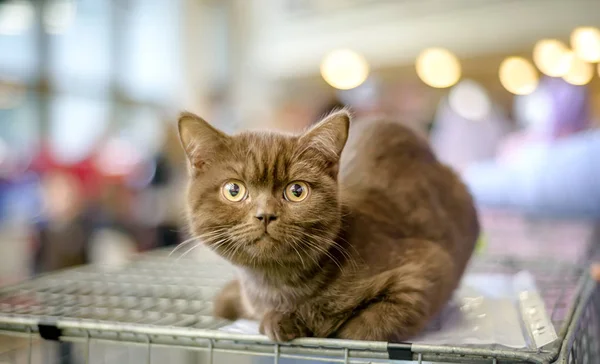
(559, 178)
(459, 142)
(556, 109)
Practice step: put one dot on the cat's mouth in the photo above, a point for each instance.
(262, 242)
(264, 238)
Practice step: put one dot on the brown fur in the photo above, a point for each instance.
(373, 253)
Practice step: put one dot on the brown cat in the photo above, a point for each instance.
(367, 244)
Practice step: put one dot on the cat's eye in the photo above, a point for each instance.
(296, 191)
(234, 190)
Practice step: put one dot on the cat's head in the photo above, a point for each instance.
(265, 199)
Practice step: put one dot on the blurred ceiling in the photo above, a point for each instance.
(291, 37)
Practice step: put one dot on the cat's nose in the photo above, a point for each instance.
(266, 217)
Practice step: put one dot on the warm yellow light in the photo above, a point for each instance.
(438, 67)
(586, 43)
(580, 72)
(518, 76)
(344, 69)
(552, 57)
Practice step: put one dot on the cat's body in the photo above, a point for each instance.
(374, 257)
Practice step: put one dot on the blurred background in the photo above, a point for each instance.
(507, 91)
(91, 170)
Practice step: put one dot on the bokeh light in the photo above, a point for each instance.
(552, 57)
(438, 67)
(586, 43)
(470, 100)
(518, 76)
(580, 72)
(533, 111)
(59, 16)
(16, 16)
(344, 69)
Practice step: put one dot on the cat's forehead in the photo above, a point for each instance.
(267, 158)
(269, 146)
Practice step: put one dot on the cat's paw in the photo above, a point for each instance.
(282, 327)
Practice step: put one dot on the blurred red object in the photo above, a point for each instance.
(85, 171)
(117, 160)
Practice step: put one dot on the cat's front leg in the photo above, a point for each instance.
(228, 303)
(283, 326)
(403, 300)
(385, 321)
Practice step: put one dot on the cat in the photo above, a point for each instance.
(352, 232)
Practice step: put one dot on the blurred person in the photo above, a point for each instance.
(159, 205)
(113, 239)
(562, 178)
(19, 205)
(552, 166)
(164, 186)
(62, 237)
(555, 110)
(460, 141)
(62, 230)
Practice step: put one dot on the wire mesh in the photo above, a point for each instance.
(583, 347)
(161, 303)
(154, 290)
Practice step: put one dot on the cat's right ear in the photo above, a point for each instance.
(199, 140)
(329, 136)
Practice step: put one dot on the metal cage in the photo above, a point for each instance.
(157, 309)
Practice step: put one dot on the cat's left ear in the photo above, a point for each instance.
(329, 136)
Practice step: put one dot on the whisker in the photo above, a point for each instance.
(182, 244)
(188, 251)
(312, 242)
(236, 246)
(298, 242)
(299, 255)
(216, 244)
(339, 247)
(228, 249)
(240, 232)
(200, 241)
(195, 238)
(321, 249)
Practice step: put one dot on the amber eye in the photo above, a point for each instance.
(234, 190)
(296, 191)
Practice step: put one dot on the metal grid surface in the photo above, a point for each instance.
(583, 345)
(157, 301)
(151, 290)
